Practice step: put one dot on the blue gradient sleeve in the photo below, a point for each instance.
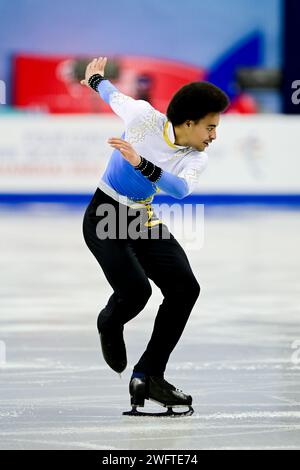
(124, 106)
(173, 185)
(105, 89)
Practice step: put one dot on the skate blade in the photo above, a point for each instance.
(164, 405)
(170, 413)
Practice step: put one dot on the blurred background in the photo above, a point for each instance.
(154, 47)
(239, 356)
(52, 126)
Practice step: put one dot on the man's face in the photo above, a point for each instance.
(200, 135)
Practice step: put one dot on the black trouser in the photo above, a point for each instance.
(128, 264)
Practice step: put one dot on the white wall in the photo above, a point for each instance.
(253, 154)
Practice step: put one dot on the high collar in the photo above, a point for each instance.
(169, 136)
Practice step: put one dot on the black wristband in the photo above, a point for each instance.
(149, 170)
(142, 164)
(94, 81)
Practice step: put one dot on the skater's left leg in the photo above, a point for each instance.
(158, 390)
(166, 263)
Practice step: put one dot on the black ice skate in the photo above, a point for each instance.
(113, 346)
(159, 390)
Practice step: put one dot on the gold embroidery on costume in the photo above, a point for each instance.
(150, 222)
(146, 125)
(166, 137)
(191, 176)
(118, 98)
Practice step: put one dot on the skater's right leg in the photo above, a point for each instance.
(110, 328)
(127, 278)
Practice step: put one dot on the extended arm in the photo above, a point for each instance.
(124, 106)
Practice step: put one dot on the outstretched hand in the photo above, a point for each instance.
(126, 150)
(95, 66)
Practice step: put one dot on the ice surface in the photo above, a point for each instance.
(239, 355)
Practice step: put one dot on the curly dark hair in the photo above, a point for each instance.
(194, 101)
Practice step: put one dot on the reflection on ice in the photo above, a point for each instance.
(238, 356)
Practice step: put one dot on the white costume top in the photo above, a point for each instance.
(152, 136)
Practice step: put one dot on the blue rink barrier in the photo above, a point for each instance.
(209, 199)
